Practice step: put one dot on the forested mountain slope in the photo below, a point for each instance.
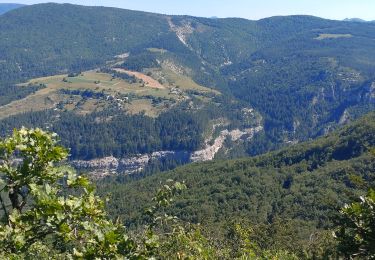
(306, 183)
(302, 76)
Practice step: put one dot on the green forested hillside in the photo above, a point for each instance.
(305, 184)
(127, 84)
(50, 38)
(111, 132)
(304, 75)
(49, 209)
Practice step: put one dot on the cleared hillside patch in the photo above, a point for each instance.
(324, 36)
(92, 91)
(149, 82)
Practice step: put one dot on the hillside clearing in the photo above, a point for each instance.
(149, 82)
(92, 91)
(324, 36)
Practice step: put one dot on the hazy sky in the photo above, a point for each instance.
(251, 9)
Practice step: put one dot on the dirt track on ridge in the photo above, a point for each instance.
(150, 82)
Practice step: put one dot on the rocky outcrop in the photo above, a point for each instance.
(135, 164)
(212, 147)
(182, 31)
(371, 92)
(98, 167)
(102, 167)
(128, 165)
(209, 152)
(107, 162)
(345, 117)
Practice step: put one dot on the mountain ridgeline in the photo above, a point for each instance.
(302, 75)
(135, 95)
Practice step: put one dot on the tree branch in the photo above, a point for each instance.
(4, 208)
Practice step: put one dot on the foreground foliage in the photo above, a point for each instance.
(53, 211)
(49, 210)
(43, 218)
(357, 231)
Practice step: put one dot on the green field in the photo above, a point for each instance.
(63, 92)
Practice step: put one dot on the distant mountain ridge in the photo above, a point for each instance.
(303, 75)
(8, 7)
(359, 20)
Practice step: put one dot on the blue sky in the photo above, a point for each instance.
(250, 9)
